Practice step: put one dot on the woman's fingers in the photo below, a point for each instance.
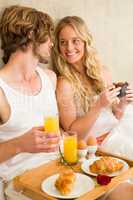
(129, 94)
(115, 92)
(111, 87)
(129, 98)
(129, 91)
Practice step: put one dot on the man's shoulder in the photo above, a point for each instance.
(50, 72)
(3, 104)
(52, 76)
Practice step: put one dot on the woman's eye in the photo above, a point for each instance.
(63, 42)
(76, 41)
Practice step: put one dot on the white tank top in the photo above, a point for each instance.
(28, 111)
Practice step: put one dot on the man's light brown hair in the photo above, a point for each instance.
(20, 26)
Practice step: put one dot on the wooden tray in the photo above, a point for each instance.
(30, 182)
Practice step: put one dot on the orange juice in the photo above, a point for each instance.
(51, 124)
(70, 149)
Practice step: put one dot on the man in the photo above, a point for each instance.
(27, 93)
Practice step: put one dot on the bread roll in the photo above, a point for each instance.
(106, 165)
(65, 182)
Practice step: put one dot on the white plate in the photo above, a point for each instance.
(78, 190)
(85, 167)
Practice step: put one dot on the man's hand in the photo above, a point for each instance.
(36, 140)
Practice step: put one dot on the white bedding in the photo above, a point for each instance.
(120, 140)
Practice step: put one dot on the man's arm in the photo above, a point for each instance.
(32, 141)
(4, 108)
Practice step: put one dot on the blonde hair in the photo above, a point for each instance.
(90, 61)
(20, 26)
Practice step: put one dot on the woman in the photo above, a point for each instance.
(87, 99)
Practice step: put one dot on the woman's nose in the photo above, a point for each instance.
(69, 45)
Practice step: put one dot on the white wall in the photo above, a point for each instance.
(110, 21)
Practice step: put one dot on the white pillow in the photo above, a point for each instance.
(120, 140)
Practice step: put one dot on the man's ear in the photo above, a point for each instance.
(30, 35)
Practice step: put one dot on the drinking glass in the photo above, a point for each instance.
(51, 124)
(70, 148)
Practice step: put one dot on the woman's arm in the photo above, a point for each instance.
(67, 109)
(117, 106)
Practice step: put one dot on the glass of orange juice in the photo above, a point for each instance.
(70, 148)
(51, 124)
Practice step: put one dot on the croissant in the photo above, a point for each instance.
(64, 183)
(106, 165)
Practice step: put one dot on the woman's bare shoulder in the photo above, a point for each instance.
(63, 84)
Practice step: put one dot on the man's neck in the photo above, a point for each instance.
(22, 65)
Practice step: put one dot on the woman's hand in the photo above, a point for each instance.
(36, 140)
(108, 96)
(119, 107)
(125, 100)
(129, 94)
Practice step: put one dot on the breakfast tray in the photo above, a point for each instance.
(29, 183)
